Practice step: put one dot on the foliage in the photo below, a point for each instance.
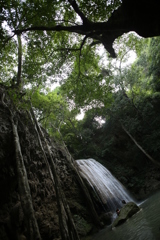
(134, 104)
(45, 49)
(50, 108)
(60, 43)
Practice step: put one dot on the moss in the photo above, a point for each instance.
(82, 226)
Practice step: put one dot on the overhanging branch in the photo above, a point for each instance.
(132, 15)
(78, 11)
(82, 44)
(76, 29)
(7, 40)
(95, 43)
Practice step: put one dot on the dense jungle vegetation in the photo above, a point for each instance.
(120, 101)
(120, 105)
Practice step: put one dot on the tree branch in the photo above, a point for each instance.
(140, 148)
(95, 43)
(98, 31)
(76, 29)
(67, 49)
(66, 22)
(78, 11)
(82, 44)
(8, 39)
(130, 16)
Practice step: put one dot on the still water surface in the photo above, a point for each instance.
(144, 225)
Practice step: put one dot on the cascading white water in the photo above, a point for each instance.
(107, 187)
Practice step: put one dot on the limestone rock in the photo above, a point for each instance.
(126, 212)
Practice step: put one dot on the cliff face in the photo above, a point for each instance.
(17, 204)
(13, 223)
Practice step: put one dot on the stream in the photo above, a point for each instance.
(144, 225)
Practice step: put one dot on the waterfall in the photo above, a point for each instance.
(108, 189)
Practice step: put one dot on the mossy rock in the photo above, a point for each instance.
(82, 226)
(126, 212)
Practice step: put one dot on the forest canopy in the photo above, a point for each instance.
(85, 47)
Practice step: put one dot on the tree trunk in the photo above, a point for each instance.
(140, 148)
(19, 80)
(24, 189)
(67, 227)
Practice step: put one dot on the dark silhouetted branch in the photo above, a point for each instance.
(78, 11)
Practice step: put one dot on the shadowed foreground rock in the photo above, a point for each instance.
(30, 162)
(126, 212)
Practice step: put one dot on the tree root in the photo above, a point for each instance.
(24, 189)
(67, 226)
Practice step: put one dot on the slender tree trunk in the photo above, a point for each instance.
(61, 212)
(24, 189)
(67, 227)
(140, 148)
(19, 80)
(41, 146)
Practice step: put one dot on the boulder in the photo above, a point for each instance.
(106, 218)
(126, 212)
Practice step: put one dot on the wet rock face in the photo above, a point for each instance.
(126, 212)
(12, 225)
(12, 220)
(7, 167)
